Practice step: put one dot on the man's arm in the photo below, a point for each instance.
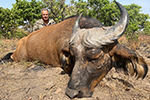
(51, 22)
(35, 27)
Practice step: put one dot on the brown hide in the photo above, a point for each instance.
(45, 44)
(21, 52)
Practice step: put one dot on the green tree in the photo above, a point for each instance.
(138, 21)
(7, 23)
(26, 13)
(103, 10)
(147, 27)
(80, 7)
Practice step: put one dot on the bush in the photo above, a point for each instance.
(19, 33)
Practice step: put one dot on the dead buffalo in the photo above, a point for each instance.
(89, 53)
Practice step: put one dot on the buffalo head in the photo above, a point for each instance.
(90, 49)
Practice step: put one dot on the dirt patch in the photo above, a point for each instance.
(33, 81)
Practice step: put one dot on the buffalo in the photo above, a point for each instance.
(84, 48)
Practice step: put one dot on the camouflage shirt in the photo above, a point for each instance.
(39, 24)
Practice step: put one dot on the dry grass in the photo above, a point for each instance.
(135, 44)
(7, 46)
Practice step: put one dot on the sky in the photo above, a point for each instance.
(143, 3)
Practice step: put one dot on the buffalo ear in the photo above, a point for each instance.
(128, 60)
(64, 57)
(66, 61)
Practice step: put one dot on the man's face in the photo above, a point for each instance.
(45, 15)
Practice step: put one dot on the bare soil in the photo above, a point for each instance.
(35, 81)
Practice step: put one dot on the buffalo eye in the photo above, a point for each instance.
(93, 54)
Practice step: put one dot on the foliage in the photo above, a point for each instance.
(79, 7)
(7, 23)
(19, 33)
(137, 21)
(23, 14)
(26, 13)
(147, 27)
(104, 11)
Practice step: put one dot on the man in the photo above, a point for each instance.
(45, 21)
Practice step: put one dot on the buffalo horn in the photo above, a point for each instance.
(98, 36)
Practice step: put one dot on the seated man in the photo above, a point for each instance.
(45, 21)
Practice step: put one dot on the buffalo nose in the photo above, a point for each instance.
(72, 93)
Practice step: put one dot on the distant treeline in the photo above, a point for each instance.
(18, 21)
